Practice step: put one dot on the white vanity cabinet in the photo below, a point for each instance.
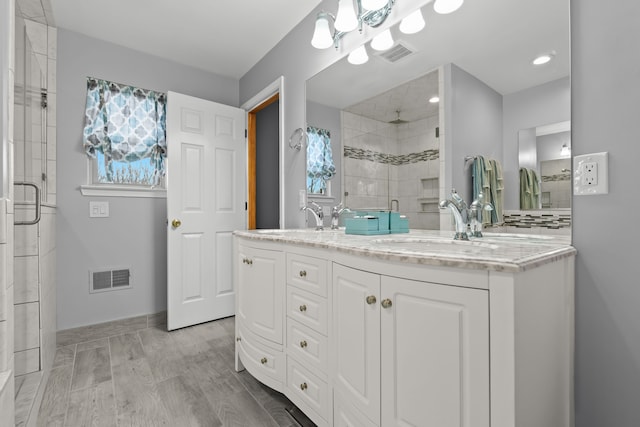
(357, 333)
(259, 312)
(410, 352)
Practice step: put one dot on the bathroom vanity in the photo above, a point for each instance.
(412, 329)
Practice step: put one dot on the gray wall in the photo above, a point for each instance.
(267, 162)
(537, 106)
(296, 60)
(605, 116)
(329, 118)
(474, 126)
(134, 235)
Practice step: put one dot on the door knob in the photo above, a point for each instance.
(386, 303)
(176, 223)
(371, 299)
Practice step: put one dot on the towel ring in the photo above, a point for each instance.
(298, 137)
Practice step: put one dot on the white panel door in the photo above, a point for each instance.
(356, 328)
(435, 355)
(205, 203)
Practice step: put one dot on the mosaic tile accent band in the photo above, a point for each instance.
(537, 220)
(391, 159)
(557, 177)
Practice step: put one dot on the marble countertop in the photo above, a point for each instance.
(508, 252)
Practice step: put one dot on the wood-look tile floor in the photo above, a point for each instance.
(151, 377)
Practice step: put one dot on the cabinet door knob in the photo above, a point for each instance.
(386, 303)
(303, 273)
(176, 223)
(303, 344)
(249, 261)
(371, 299)
(238, 339)
(263, 360)
(303, 386)
(303, 308)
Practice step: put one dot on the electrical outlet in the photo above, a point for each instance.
(590, 175)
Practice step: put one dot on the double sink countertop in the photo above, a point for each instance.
(495, 251)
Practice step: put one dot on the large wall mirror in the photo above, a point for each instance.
(403, 125)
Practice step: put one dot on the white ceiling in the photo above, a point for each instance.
(225, 37)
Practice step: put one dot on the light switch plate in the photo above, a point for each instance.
(98, 209)
(591, 174)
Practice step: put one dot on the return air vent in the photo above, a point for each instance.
(396, 53)
(109, 280)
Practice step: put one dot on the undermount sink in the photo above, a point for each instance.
(421, 243)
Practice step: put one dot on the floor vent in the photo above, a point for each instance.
(396, 53)
(109, 280)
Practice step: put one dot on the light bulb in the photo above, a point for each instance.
(374, 4)
(542, 59)
(565, 150)
(346, 19)
(412, 23)
(358, 56)
(434, 99)
(322, 34)
(382, 41)
(447, 6)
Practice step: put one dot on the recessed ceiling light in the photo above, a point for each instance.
(434, 99)
(542, 59)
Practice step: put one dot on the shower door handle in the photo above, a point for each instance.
(38, 208)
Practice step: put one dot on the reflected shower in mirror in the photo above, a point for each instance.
(544, 154)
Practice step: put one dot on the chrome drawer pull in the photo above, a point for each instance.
(263, 360)
(303, 386)
(303, 273)
(303, 344)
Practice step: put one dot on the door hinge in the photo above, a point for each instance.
(246, 206)
(245, 133)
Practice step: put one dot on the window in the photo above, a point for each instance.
(124, 135)
(320, 167)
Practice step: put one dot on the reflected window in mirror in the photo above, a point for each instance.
(320, 165)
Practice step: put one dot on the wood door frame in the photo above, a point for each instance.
(272, 93)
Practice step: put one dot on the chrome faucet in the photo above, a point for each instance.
(316, 210)
(475, 212)
(336, 211)
(460, 214)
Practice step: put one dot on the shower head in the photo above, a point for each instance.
(398, 121)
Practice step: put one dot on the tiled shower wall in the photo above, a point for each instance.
(386, 161)
(35, 161)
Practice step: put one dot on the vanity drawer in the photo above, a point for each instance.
(307, 390)
(260, 359)
(308, 309)
(307, 273)
(307, 346)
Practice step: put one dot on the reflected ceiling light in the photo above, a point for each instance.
(382, 41)
(367, 12)
(358, 56)
(374, 4)
(412, 23)
(322, 37)
(346, 19)
(543, 59)
(447, 6)
(565, 150)
(434, 99)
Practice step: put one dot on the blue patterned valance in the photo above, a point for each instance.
(320, 167)
(125, 124)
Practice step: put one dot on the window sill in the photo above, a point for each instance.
(122, 191)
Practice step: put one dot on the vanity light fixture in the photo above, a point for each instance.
(543, 59)
(358, 56)
(434, 99)
(412, 23)
(447, 6)
(382, 41)
(367, 12)
(565, 150)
